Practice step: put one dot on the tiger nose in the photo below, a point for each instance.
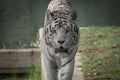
(60, 42)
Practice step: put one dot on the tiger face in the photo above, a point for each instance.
(61, 32)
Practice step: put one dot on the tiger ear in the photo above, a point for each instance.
(49, 15)
(73, 15)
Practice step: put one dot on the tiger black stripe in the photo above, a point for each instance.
(60, 40)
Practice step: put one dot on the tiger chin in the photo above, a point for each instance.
(59, 42)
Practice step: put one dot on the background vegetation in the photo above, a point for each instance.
(100, 53)
(33, 74)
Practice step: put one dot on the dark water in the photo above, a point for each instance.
(21, 19)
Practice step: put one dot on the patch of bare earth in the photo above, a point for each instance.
(78, 74)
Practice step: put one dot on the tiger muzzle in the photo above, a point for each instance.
(61, 49)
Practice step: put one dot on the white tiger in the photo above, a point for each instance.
(59, 41)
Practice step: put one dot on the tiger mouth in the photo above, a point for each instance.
(61, 49)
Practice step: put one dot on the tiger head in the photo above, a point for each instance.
(61, 32)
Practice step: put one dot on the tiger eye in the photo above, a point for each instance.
(53, 31)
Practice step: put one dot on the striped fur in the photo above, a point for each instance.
(59, 41)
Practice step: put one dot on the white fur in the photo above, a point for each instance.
(58, 66)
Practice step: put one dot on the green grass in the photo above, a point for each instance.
(100, 52)
(33, 74)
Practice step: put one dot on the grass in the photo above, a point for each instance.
(33, 74)
(100, 52)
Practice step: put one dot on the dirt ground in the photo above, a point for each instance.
(78, 74)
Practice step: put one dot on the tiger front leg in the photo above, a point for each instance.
(66, 72)
(49, 70)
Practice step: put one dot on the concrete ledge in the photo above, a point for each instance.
(14, 70)
(18, 60)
